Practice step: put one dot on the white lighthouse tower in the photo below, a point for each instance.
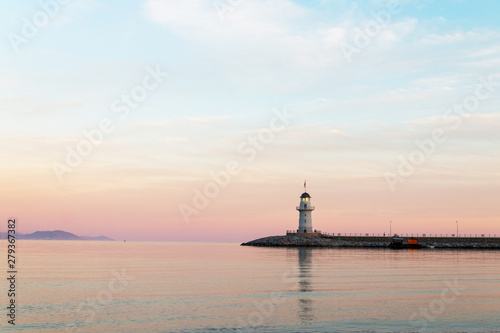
(305, 213)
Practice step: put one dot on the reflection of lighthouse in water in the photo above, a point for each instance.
(305, 313)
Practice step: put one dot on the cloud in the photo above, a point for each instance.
(199, 18)
(475, 129)
(278, 47)
(448, 38)
(34, 106)
(276, 28)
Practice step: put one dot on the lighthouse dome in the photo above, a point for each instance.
(305, 195)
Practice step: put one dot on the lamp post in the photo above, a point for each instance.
(457, 228)
(390, 228)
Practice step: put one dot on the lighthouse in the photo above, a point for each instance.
(305, 213)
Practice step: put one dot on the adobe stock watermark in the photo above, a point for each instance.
(104, 297)
(421, 318)
(248, 149)
(453, 116)
(49, 9)
(263, 310)
(224, 6)
(363, 37)
(122, 107)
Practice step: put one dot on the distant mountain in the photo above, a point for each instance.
(51, 235)
(98, 238)
(55, 235)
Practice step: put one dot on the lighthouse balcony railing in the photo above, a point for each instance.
(308, 208)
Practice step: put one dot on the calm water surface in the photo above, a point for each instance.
(200, 287)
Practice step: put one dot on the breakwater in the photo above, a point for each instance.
(297, 240)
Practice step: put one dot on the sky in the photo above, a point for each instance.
(168, 120)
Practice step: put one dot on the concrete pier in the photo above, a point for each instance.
(298, 240)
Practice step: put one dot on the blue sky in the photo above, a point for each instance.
(226, 76)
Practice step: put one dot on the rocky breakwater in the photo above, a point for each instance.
(375, 242)
(485, 243)
(309, 241)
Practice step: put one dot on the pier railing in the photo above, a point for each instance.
(408, 235)
(354, 234)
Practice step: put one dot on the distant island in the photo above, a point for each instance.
(56, 235)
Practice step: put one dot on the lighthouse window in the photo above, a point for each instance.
(305, 206)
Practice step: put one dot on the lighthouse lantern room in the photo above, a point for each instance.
(305, 213)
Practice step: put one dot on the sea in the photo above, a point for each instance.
(85, 286)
